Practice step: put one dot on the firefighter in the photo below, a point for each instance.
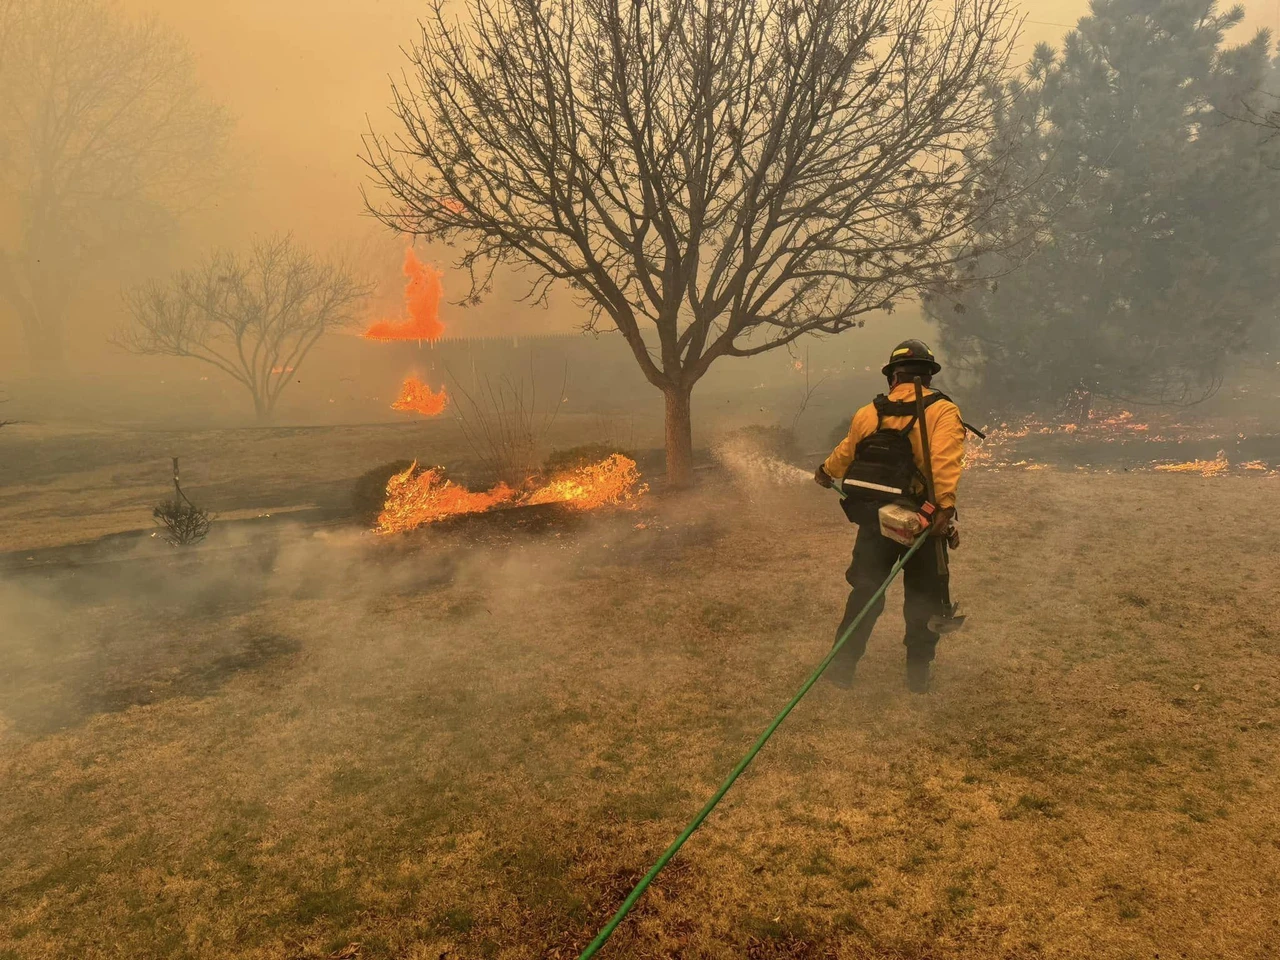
(879, 432)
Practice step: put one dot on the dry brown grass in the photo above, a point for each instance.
(434, 750)
(67, 484)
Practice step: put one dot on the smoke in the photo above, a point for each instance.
(296, 604)
(154, 622)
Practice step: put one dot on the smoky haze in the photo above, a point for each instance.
(302, 83)
(388, 701)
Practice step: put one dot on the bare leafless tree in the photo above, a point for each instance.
(105, 136)
(714, 177)
(255, 318)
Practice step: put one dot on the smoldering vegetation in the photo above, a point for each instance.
(84, 640)
(133, 624)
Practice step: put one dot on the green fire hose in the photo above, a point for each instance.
(696, 822)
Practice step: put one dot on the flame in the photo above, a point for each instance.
(417, 498)
(1004, 447)
(1206, 468)
(613, 481)
(414, 499)
(422, 296)
(417, 397)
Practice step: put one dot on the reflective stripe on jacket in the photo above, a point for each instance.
(946, 441)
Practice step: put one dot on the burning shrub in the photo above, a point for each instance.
(415, 497)
(613, 481)
(370, 491)
(183, 521)
(417, 397)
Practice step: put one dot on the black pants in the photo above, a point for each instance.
(873, 557)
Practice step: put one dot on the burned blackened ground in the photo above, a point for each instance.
(443, 747)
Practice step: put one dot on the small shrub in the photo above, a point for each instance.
(370, 491)
(581, 456)
(184, 523)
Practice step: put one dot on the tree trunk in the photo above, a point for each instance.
(679, 438)
(262, 409)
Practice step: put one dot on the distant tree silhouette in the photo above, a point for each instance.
(105, 136)
(255, 318)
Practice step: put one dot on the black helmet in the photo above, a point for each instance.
(911, 351)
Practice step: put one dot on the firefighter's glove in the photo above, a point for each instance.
(941, 525)
(821, 479)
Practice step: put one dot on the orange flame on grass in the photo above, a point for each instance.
(422, 296)
(614, 481)
(417, 397)
(415, 499)
(1206, 468)
(1003, 448)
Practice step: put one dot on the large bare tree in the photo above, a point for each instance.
(714, 177)
(105, 137)
(255, 318)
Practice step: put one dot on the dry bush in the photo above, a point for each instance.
(503, 424)
(183, 521)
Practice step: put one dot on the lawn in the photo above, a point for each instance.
(470, 741)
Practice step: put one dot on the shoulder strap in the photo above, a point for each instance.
(882, 404)
(895, 408)
(939, 395)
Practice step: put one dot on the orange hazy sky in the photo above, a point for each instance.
(302, 79)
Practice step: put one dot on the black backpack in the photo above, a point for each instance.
(884, 467)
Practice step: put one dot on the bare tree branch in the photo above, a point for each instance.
(714, 177)
(254, 318)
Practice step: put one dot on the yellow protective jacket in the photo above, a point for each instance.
(946, 441)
